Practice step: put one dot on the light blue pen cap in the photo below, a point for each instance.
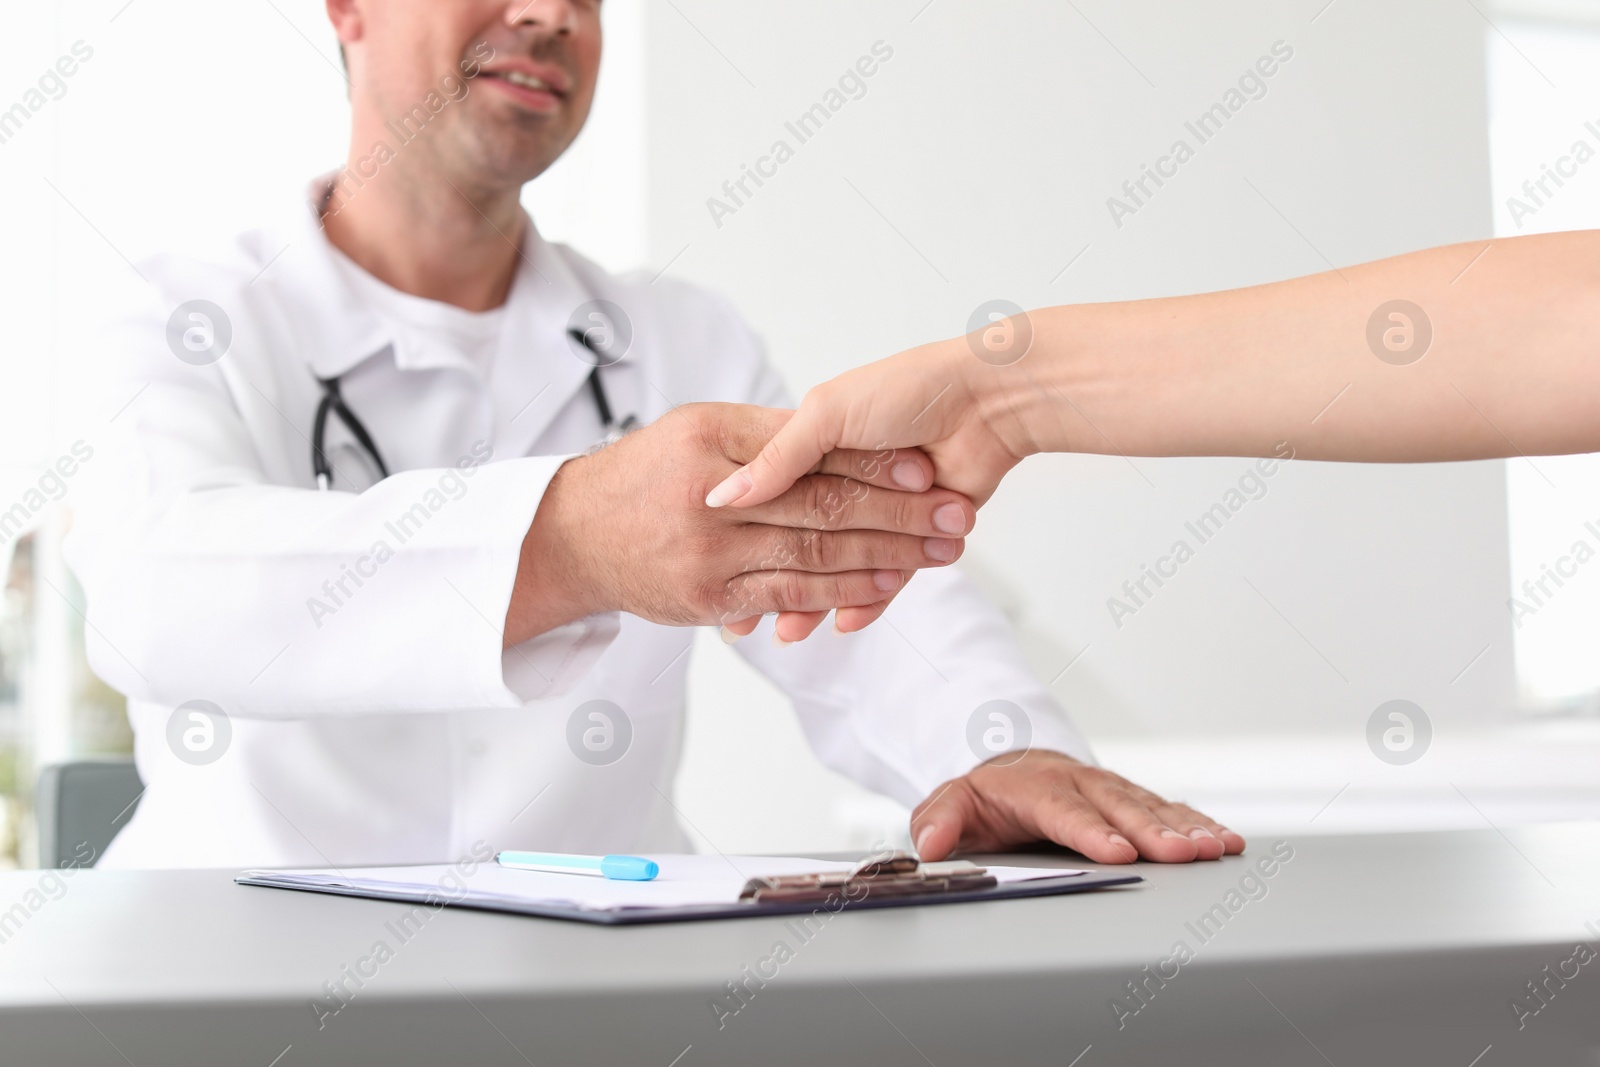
(629, 868)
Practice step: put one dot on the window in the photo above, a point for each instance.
(1544, 136)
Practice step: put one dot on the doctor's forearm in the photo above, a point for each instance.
(1509, 366)
(552, 587)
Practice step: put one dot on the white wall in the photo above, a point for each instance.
(978, 164)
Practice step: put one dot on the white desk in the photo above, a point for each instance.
(1403, 949)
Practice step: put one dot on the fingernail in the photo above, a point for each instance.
(838, 632)
(730, 489)
(908, 475)
(1173, 833)
(939, 548)
(886, 581)
(729, 637)
(922, 838)
(1120, 841)
(951, 519)
(1199, 832)
(779, 642)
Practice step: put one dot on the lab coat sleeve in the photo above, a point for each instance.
(933, 688)
(936, 686)
(205, 580)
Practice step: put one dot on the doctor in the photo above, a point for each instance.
(374, 595)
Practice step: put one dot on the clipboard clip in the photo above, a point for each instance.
(897, 874)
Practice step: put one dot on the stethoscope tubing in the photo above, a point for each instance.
(333, 402)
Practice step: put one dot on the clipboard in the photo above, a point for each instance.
(889, 880)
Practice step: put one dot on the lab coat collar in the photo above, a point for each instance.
(336, 329)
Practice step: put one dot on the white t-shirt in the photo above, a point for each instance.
(425, 323)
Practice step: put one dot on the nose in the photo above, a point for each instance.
(552, 16)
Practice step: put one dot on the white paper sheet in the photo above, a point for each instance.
(684, 881)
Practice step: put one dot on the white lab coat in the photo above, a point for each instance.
(394, 729)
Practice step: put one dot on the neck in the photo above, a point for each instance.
(414, 226)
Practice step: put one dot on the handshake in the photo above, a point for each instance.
(723, 513)
(628, 529)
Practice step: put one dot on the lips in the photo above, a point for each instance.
(527, 81)
(538, 86)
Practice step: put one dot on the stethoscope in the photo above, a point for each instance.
(333, 403)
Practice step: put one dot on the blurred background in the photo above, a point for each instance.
(978, 163)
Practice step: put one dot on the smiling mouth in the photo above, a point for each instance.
(527, 81)
(542, 95)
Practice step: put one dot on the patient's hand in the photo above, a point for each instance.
(1046, 796)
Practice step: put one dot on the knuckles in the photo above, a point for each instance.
(731, 598)
(904, 508)
(735, 432)
(815, 551)
(824, 504)
(788, 591)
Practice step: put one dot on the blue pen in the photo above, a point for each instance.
(619, 868)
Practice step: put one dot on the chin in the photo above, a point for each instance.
(505, 157)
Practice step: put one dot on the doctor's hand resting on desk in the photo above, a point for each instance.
(1474, 351)
(1019, 798)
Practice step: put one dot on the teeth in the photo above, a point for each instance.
(518, 78)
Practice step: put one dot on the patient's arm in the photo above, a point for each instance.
(1046, 796)
(1495, 357)
(1470, 351)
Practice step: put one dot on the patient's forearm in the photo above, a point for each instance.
(1511, 366)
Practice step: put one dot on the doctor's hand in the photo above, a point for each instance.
(1046, 796)
(627, 529)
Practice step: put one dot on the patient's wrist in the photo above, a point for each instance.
(1086, 384)
(1025, 401)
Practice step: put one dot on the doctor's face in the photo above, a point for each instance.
(490, 91)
